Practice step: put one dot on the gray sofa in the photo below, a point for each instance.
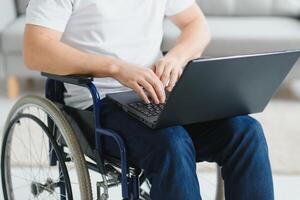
(7, 15)
(248, 26)
(237, 26)
(12, 23)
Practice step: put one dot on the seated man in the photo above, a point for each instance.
(118, 41)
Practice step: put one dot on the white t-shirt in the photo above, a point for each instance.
(131, 30)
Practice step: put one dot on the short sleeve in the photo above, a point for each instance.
(53, 14)
(174, 7)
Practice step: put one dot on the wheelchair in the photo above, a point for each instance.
(53, 151)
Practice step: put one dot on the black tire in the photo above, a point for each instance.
(27, 112)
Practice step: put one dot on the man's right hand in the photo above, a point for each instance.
(142, 81)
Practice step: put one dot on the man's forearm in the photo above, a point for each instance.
(192, 42)
(49, 55)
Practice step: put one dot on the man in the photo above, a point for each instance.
(119, 42)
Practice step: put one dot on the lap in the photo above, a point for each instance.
(216, 140)
(139, 139)
(208, 138)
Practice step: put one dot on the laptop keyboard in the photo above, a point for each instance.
(149, 110)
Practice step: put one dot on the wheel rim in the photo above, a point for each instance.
(25, 168)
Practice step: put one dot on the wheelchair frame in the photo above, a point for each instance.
(130, 184)
(129, 176)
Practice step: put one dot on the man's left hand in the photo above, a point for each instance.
(169, 69)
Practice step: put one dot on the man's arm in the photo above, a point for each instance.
(194, 38)
(195, 34)
(44, 52)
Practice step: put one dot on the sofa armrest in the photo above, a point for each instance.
(8, 13)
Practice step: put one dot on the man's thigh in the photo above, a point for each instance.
(215, 141)
(141, 141)
(212, 140)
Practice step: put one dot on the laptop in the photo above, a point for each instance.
(214, 88)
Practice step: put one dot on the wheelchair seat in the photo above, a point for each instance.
(83, 126)
(82, 123)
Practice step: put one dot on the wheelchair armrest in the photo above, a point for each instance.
(72, 79)
(78, 80)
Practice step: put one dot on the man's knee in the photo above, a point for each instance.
(251, 128)
(244, 126)
(174, 145)
(174, 139)
(246, 133)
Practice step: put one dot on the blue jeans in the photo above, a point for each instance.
(168, 156)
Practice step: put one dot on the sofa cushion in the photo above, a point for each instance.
(7, 15)
(12, 36)
(251, 7)
(232, 7)
(21, 6)
(2, 72)
(15, 65)
(243, 35)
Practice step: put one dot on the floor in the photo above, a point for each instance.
(280, 120)
(286, 188)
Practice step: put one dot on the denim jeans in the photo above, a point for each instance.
(168, 156)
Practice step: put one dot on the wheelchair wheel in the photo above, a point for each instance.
(41, 157)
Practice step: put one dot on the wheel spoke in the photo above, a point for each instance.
(19, 177)
(20, 187)
(25, 175)
(27, 156)
(25, 146)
